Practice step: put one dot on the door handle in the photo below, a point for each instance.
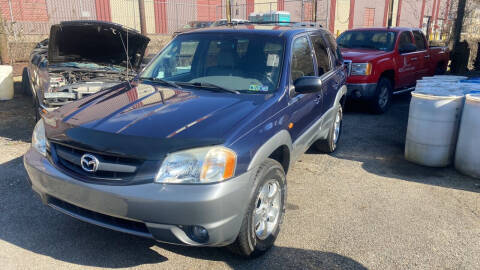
(427, 56)
(414, 58)
(318, 99)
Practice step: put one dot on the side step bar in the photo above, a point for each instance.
(404, 91)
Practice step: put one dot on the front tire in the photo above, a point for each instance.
(383, 96)
(265, 212)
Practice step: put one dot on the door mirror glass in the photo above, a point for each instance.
(308, 84)
(407, 48)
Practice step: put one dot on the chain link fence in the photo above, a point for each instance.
(26, 22)
(34, 17)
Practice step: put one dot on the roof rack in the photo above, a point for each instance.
(290, 24)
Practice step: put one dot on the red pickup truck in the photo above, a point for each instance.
(385, 61)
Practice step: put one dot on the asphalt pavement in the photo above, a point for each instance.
(363, 207)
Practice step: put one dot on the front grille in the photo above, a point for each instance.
(115, 169)
(119, 224)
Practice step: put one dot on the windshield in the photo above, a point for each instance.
(368, 39)
(235, 61)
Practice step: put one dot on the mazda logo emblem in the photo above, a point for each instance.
(89, 163)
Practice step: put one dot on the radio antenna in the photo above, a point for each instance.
(125, 48)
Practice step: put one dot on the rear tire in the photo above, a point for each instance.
(252, 241)
(330, 144)
(383, 96)
(26, 88)
(36, 110)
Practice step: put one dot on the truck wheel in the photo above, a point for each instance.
(330, 144)
(383, 96)
(261, 223)
(26, 89)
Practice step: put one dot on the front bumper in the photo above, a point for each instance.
(159, 211)
(361, 90)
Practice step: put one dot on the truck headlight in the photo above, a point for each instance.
(198, 166)
(39, 141)
(361, 68)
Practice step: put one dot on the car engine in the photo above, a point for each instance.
(67, 86)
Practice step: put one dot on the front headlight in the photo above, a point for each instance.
(361, 68)
(198, 166)
(39, 141)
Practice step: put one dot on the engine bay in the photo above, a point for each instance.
(70, 85)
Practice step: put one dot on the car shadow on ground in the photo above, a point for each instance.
(378, 142)
(27, 223)
(276, 258)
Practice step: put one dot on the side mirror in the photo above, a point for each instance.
(348, 67)
(307, 84)
(407, 48)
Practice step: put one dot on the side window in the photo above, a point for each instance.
(419, 41)
(404, 38)
(321, 54)
(302, 61)
(177, 59)
(335, 49)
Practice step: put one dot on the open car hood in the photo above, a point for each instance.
(97, 42)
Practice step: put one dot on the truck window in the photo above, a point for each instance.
(302, 61)
(321, 53)
(367, 39)
(404, 39)
(419, 41)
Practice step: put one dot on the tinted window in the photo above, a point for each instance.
(368, 39)
(404, 39)
(419, 41)
(334, 48)
(302, 61)
(243, 62)
(321, 54)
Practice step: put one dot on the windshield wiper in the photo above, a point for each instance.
(155, 79)
(209, 86)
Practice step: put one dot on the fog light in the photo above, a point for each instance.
(199, 234)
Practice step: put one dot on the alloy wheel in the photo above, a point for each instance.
(266, 213)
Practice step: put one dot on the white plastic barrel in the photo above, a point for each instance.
(6, 82)
(432, 127)
(467, 156)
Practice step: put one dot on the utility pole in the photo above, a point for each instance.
(229, 12)
(390, 13)
(457, 29)
(143, 24)
(314, 11)
(460, 53)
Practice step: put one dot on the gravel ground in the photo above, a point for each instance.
(362, 207)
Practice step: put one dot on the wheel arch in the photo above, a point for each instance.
(389, 74)
(278, 147)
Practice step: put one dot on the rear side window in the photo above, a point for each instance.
(404, 39)
(321, 53)
(302, 61)
(419, 41)
(335, 49)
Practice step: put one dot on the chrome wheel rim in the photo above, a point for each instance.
(266, 213)
(383, 97)
(337, 126)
